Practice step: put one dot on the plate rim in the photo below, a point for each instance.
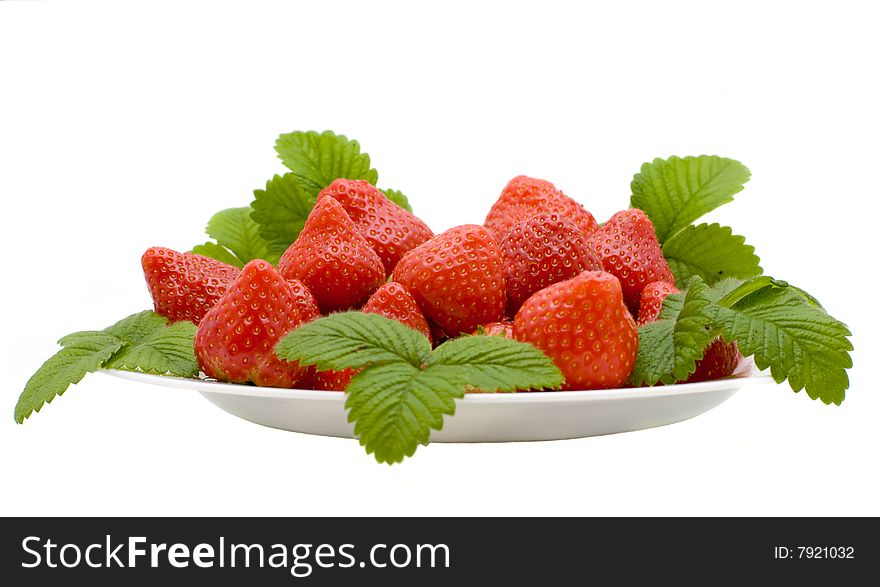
(745, 373)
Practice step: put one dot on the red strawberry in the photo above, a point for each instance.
(308, 311)
(185, 286)
(504, 329)
(390, 230)
(523, 197)
(392, 301)
(332, 259)
(457, 278)
(305, 301)
(628, 248)
(332, 380)
(236, 339)
(652, 300)
(541, 251)
(308, 380)
(720, 358)
(583, 325)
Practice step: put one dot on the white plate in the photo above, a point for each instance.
(487, 417)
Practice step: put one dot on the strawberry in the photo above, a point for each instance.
(390, 230)
(523, 197)
(236, 339)
(308, 311)
(305, 301)
(720, 358)
(652, 300)
(628, 248)
(584, 326)
(392, 301)
(332, 259)
(308, 379)
(185, 286)
(541, 251)
(504, 329)
(457, 278)
(332, 380)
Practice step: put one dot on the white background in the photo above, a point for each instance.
(125, 125)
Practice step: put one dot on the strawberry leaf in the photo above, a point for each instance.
(318, 159)
(395, 406)
(670, 347)
(219, 252)
(782, 326)
(735, 290)
(711, 252)
(496, 363)
(723, 287)
(83, 352)
(404, 389)
(786, 331)
(142, 342)
(676, 191)
(238, 238)
(281, 210)
(135, 328)
(315, 160)
(164, 351)
(354, 340)
(398, 198)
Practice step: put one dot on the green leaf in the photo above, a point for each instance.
(137, 327)
(354, 340)
(743, 290)
(321, 158)
(165, 351)
(234, 229)
(281, 210)
(725, 287)
(674, 192)
(215, 251)
(152, 345)
(315, 161)
(83, 352)
(236, 232)
(495, 363)
(398, 198)
(786, 332)
(395, 406)
(810, 299)
(711, 252)
(403, 389)
(670, 347)
(142, 342)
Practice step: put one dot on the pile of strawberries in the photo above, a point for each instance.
(540, 270)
